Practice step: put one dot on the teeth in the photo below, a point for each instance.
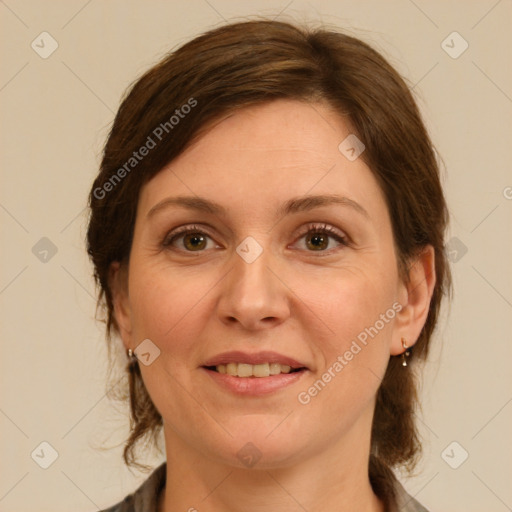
(261, 370)
(253, 370)
(275, 368)
(244, 370)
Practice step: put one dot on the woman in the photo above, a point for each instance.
(267, 234)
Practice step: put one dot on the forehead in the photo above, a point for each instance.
(287, 131)
(260, 156)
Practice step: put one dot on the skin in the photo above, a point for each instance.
(304, 303)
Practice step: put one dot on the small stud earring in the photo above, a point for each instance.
(131, 354)
(406, 352)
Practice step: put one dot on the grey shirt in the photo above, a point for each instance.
(145, 498)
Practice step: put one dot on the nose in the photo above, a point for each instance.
(253, 296)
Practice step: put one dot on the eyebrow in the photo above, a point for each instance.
(294, 205)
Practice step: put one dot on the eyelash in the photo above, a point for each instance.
(310, 229)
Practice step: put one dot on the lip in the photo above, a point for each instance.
(256, 358)
(254, 386)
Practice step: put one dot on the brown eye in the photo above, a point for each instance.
(194, 241)
(317, 241)
(188, 239)
(322, 238)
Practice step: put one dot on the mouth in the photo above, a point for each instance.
(255, 374)
(261, 370)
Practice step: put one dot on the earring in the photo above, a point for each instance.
(131, 355)
(406, 352)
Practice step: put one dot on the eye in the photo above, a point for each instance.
(189, 239)
(318, 238)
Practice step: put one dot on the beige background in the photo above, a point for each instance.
(55, 116)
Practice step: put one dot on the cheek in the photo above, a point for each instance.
(352, 321)
(346, 301)
(353, 351)
(168, 306)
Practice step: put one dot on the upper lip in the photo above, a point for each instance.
(255, 358)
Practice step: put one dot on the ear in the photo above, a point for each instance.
(118, 280)
(414, 297)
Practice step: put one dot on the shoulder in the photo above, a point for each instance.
(124, 506)
(146, 496)
(405, 502)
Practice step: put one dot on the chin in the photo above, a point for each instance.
(264, 451)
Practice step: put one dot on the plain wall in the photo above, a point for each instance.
(56, 112)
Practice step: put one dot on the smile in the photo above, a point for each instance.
(253, 370)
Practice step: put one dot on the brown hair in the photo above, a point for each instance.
(250, 63)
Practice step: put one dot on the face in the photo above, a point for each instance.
(264, 252)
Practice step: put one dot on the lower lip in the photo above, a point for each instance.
(255, 386)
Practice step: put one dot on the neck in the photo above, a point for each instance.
(333, 479)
